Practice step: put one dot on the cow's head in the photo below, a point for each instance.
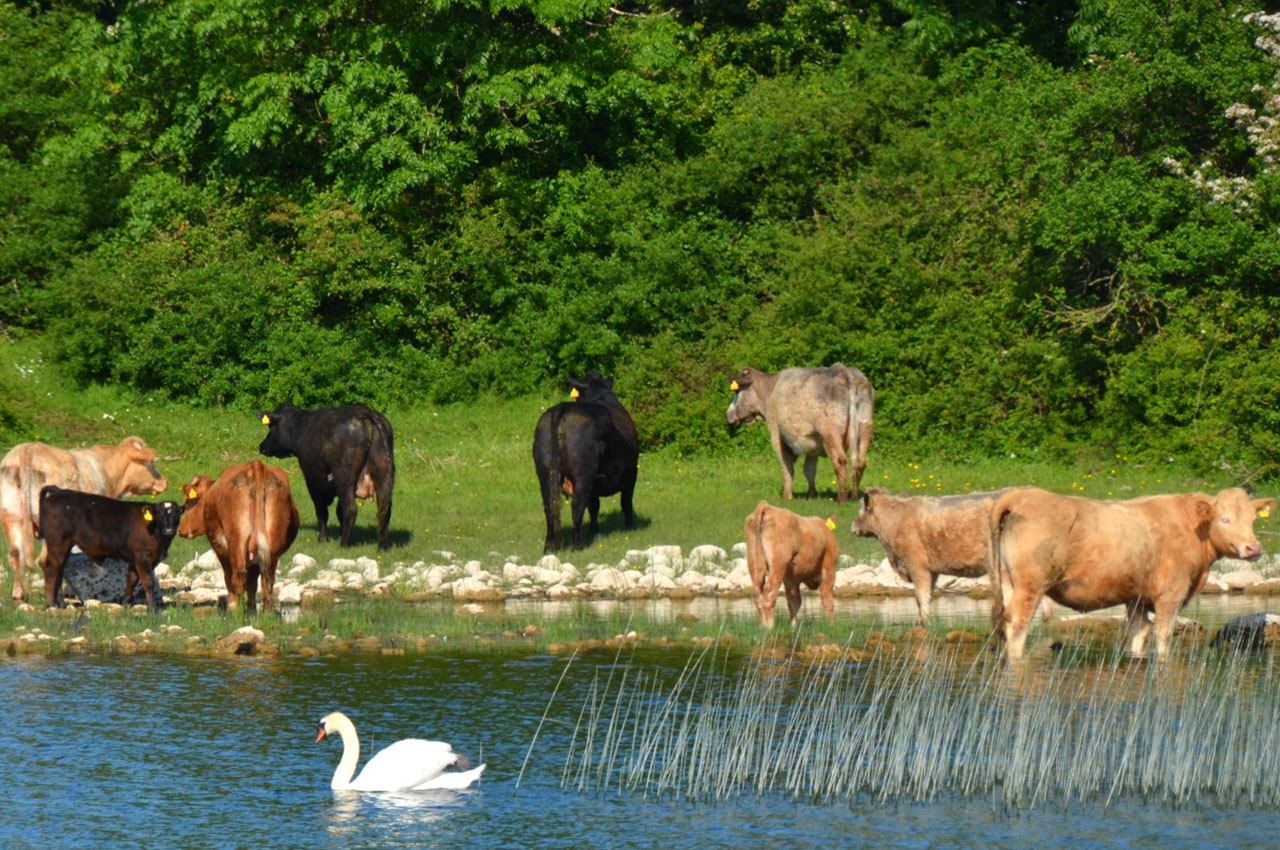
(193, 523)
(165, 519)
(138, 475)
(748, 404)
(593, 387)
(279, 439)
(1230, 517)
(867, 523)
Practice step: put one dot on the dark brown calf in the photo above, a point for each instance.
(790, 550)
(135, 532)
(250, 518)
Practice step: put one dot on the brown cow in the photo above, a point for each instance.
(250, 518)
(811, 412)
(786, 549)
(124, 470)
(1150, 554)
(926, 536)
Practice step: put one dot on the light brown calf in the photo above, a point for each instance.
(784, 549)
(250, 518)
(926, 536)
(1150, 554)
(114, 471)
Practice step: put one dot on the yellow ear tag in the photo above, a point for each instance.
(733, 385)
(1264, 513)
(573, 393)
(831, 523)
(147, 515)
(191, 494)
(266, 420)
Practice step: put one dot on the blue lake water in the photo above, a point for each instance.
(196, 753)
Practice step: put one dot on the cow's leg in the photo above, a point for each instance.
(628, 509)
(22, 550)
(55, 561)
(858, 455)
(826, 590)
(384, 514)
(840, 462)
(347, 510)
(1165, 615)
(1019, 606)
(810, 473)
(924, 582)
(146, 575)
(582, 495)
(793, 599)
(1139, 628)
(768, 600)
(268, 584)
(321, 502)
(593, 509)
(787, 459)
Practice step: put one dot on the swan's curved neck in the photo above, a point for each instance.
(350, 752)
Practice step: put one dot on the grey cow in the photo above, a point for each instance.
(810, 412)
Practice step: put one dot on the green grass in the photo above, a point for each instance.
(465, 481)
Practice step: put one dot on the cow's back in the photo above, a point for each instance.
(804, 402)
(29, 467)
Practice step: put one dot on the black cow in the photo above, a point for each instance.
(135, 532)
(344, 452)
(585, 449)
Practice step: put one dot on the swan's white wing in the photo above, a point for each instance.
(405, 765)
(454, 780)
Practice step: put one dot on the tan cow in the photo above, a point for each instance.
(784, 549)
(810, 412)
(124, 470)
(926, 536)
(1150, 554)
(250, 518)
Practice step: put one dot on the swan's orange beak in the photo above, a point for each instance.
(320, 737)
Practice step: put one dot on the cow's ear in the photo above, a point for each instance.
(1204, 510)
(1264, 507)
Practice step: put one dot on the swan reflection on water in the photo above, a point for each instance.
(350, 809)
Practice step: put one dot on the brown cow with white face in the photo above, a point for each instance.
(124, 470)
(785, 549)
(927, 536)
(250, 518)
(810, 412)
(1150, 554)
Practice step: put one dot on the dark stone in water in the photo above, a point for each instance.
(1250, 632)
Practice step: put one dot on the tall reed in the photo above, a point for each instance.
(920, 722)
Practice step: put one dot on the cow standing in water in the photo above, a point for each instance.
(1150, 554)
(344, 453)
(810, 412)
(928, 536)
(788, 550)
(586, 449)
(250, 518)
(128, 469)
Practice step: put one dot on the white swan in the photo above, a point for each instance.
(409, 765)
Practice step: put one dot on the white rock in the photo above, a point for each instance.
(549, 562)
(635, 557)
(209, 561)
(206, 595)
(662, 570)
(342, 565)
(290, 593)
(707, 554)
(671, 553)
(739, 549)
(369, 569)
(163, 570)
(559, 591)
(542, 576)
(691, 578)
(739, 577)
(652, 581)
(1240, 579)
(569, 574)
(444, 555)
(473, 567)
(468, 585)
(306, 562)
(609, 579)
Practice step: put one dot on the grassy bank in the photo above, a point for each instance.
(465, 481)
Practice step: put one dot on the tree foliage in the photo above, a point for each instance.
(1010, 216)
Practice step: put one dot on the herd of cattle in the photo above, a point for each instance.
(1150, 554)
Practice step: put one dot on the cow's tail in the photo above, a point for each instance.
(757, 554)
(996, 566)
(382, 459)
(858, 427)
(255, 544)
(551, 483)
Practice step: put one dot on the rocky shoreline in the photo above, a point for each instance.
(656, 572)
